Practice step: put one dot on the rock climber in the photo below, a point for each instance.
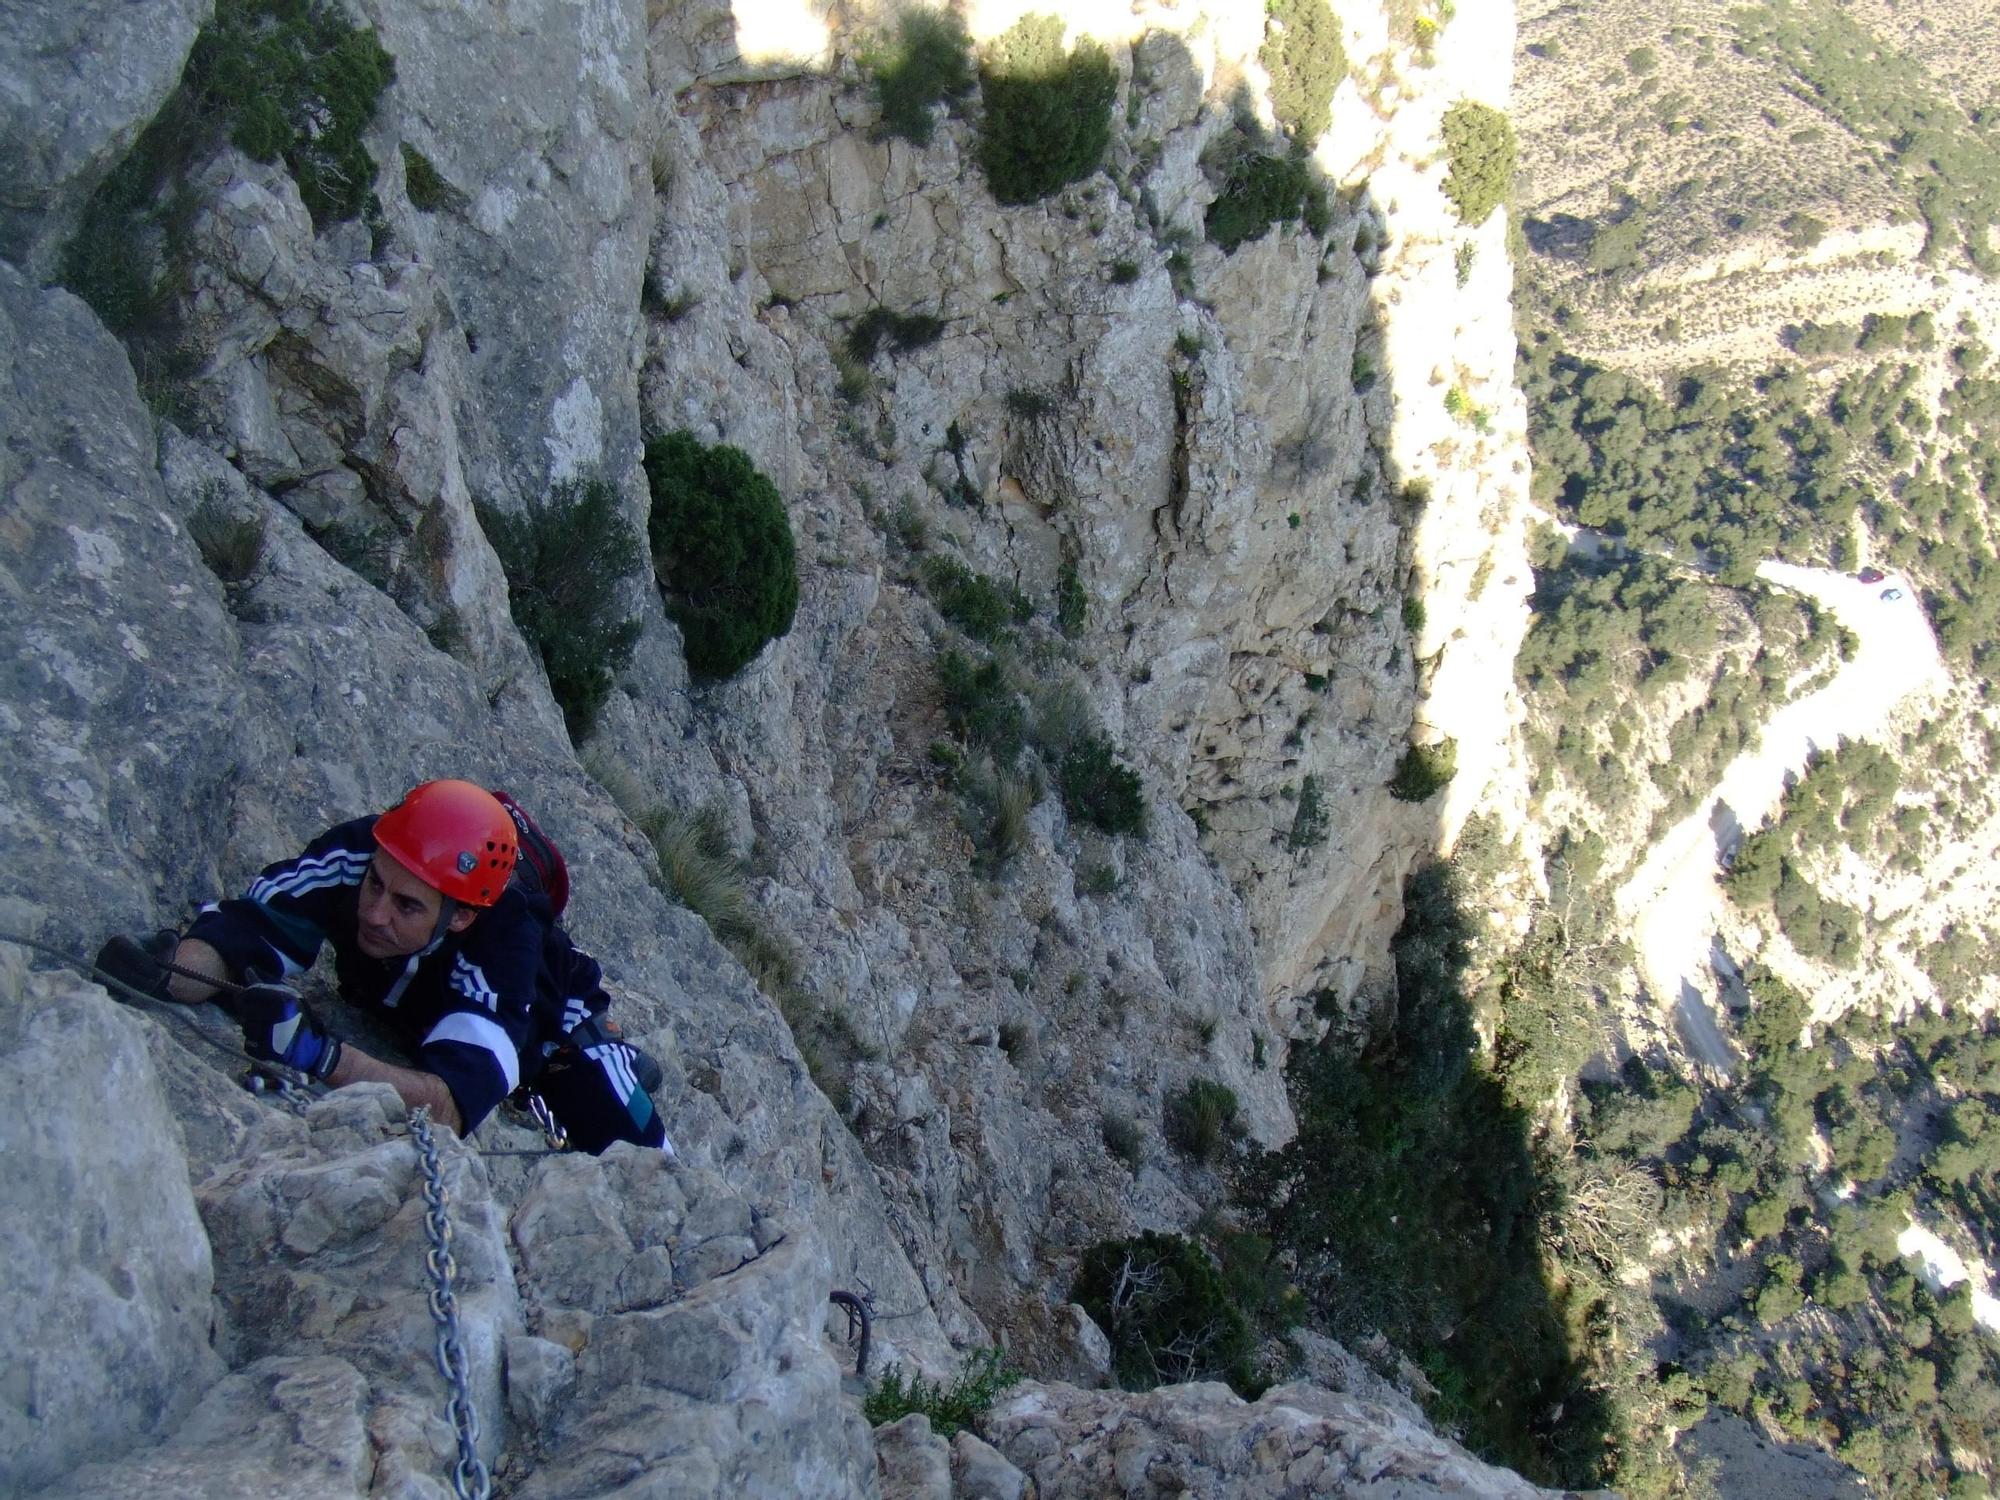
(440, 927)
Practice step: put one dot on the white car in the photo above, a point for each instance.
(1892, 594)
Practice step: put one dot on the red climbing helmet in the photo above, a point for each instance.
(455, 836)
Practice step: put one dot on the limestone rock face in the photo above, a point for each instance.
(1294, 1442)
(295, 1428)
(106, 1298)
(79, 80)
(226, 630)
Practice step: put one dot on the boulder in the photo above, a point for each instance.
(79, 80)
(106, 1300)
(1295, 1442)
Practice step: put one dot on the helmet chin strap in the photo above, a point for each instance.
(447, 909)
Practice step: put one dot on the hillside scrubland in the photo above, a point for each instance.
(1757, 302)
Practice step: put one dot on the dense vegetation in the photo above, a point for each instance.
(1303, 54)
(1947, 160)
(1744, 1235)
(1410, 1203)
(1258, 186)
(722, 551)
(1480, 147)
(288, 80)
(1047, 112)
(927, 62)
(564, 561)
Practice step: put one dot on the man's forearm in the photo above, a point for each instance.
(417, 1088)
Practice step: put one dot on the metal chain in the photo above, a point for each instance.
(468, 1475)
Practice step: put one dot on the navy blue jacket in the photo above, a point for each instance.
(481, 1011)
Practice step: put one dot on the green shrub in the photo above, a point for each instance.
(1029, 404)
(1256, 189)
(981, 705)
(1063, 717)
(995, 814)
(1099, 791)
(1424, 771)
(929, 63)
(294, 80)
(1165, 1308)
(1479, 142)
(1197, 1118)
(950, 1408)
(1072, 604)
(901, 332)
(1124, 272)
(1309, 822)
(980, 606)
(563, 562)
(1303, 54)
(722, 551)
(1122, 1138)
(279, 78)
(1047, 113)
(425, 185)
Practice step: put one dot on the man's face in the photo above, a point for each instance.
(397, 911)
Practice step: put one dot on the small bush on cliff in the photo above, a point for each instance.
(295, 80)
(1424, 771)
(563, 563)
(1255, 189)
(1099, 791)
(1167, 1311)
(722, 551)
(899, 332)
(982, 706)
(928, 63)
(1303, 55)
(230, 546)
(1199, 1116)
(1479, 141)
(1047, 112)
(279, 78)
(949, 1407)
(980, 606)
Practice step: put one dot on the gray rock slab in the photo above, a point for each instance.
(914, 1462)
(106, 1301)
(279, 1429)
(1294, 1443)
(79, 80)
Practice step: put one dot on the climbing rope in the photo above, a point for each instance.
(468, 1475)
(152, 1003)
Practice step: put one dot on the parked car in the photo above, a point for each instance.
(1871, 575)
(1892, 594)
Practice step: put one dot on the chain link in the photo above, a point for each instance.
(468, 1474)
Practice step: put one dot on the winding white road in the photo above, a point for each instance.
(1673, 904)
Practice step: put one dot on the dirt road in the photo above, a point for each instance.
(1673, 903)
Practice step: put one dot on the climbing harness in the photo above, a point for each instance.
(468, 1476)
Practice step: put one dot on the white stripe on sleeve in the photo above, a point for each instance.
(478, 1031)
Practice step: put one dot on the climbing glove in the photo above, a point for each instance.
(136, 961)
(278, 1028)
